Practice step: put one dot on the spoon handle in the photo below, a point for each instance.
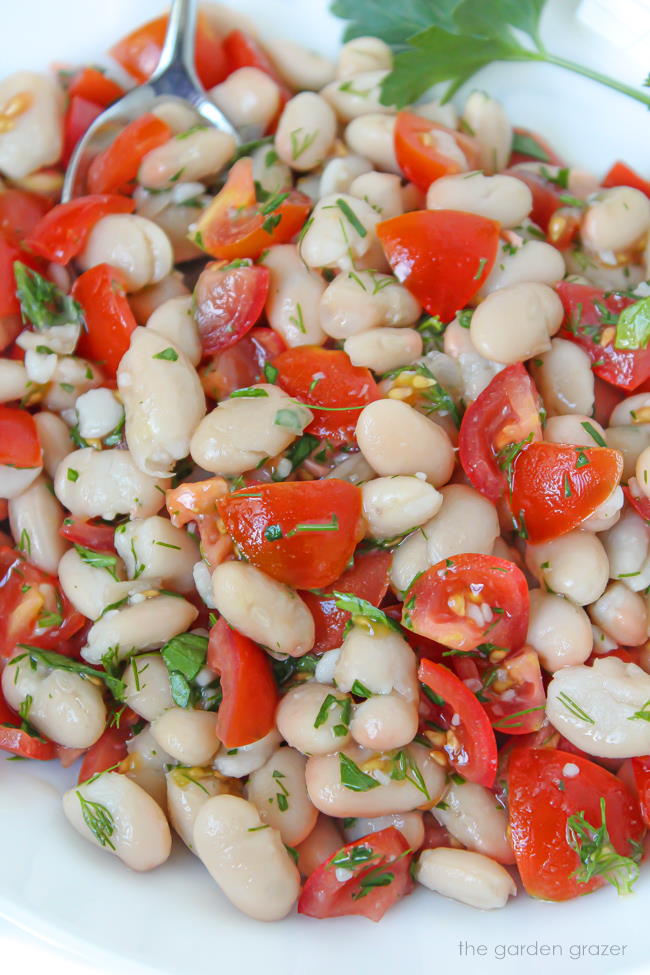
(177, 55)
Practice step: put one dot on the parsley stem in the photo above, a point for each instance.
(603, 79)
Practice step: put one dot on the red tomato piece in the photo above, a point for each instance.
(19, 443)
(546, 195)
(228, 302)
(590, 316)
(620, 174)
(107, 752)
(243, 51)
(540, 149)
(380, 865)
(516, 700)
(507, 412)
(14, 739)
(442, 256)
(555, 487)
(242, 364)
(640, 503)
(139, 52)
(463, 601)
(116, 166)
(20, 212)
(80, 115)
(326, 378)
(235, 225)
(422, 148)
(99, 538)
(62, 233)
(368, 579)
(471, 746)
(542, 798)
(641, 772)
(250, 695)
(109, 319)
(10, 252)
(94, 86)
(302, 533)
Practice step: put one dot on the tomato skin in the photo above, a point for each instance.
(442, 256)
(325, 896)
(13, 739)
(641, 772)
(242, 364)
(475, 755)
(229, 301)
(105, 753)
(109, 319)
(62, 233)
(368, 579)
(641, 504)
(99, 538)
(434, 606)
(419, 158)
(308, 559)
(20, 212)
(620, 174)
(520, 710)
(553, 491)
(338, 383)
(546, 195)
(552, 157)
(626, 369)
(10, 251)
(539, 810)
(19, 443)
(116, 166)
(507, 411)
(95, 86)
(79, 116)
(250, 694)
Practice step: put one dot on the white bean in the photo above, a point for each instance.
(466, 522)
(132, 244)
(383, 191)
(630, 441)
(178, 115)
(248, 97)
(384, 349)
(332, 240)
(55, 440)
(476, 372)
(395, 505)
(571, 428)
(300, 67)
(250, 865)
(491, 128)
(516, 323)
(410, 825)
(533, 261)
(173, 319)
(297, 714)
(147, 690)
(261, 608)
(381, 660)
(615, 221)
(269, 170)
(154, 548)
(187, 792)
(306, 131)
(134, 826)
(396, 439)
(188, 157)
(98, 413)
(13, 380)
(279, 793)
(294, 295)
(622, 615)
(564, 378)
(91, 589)
(339, 173)
(627, 545)
(238, 762)
(354, 469)
(363, 54)
(503, 198)
(384, 721)
(37, 513)
(32, 107)
(558, 630)
(144, 303)
(434, 110)
(188, 736)
(241, 432)
(574, 565)
(72, 377)
(144, 625)
(472, 815)
(606, 514)
(322, 843)
(146, 752)
(371, 136)
(642, 471)
(357, 301)
(105, 483)
(357, 96)
(470, 878)
(609, 694)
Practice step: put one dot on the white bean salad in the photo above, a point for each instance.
(324, 483)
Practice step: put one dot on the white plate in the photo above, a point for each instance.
(175, 920)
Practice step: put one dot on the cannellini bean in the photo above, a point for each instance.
(32, 107)
(188, 736)
(476, 372)
(132, 244)
(13, 379)
(609, 694)
(410, 825)
(621, 614)
(91, 589)
(38, 514)
(332, 240)
(299, 67)
(642, 471)
(446, 114)
(187, 791)
(98, 413)
(297, 713)
(39, 367)
(144, 625)
(606, 514)
(571, 428)
(491, 128)
(241, 432)
(383, 191)
(384, 721)
(146, 752)
(188, 157)
(249, 97)
(503, 198)
(144, 303)
(384, 349)
(331, 796)
(564, 378)
(61, 339)
(363, 54)
(105, 483)
(339, 173)
(532, 261)
(269, 170)
(357, 301)
(322, 843)
(261, 608)
(147, 686)
(238, 762)
(251, 865)
(55, 439)
(154, 548)
(573, 565)
(178, 115)
(558, 630)
(371, 136)
(173, 319)
(630, 441)
(135, 827)
(632, 410)
(163, 400)
(472, 815)
(395, 505)
(294, 295)
(396, 439)
(516, 323)
(627, 545)
(409, 559)
(470, 878)
(354, 469)
(72, 377)
(306, 131)
(381, 660)
(357, 96)
(279, 793)
(615, 221)
(65, 707)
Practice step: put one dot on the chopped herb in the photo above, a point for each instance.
(168, 354)
(41, 302)
(567, 486)
(582, 461)
(98, 560)
(315, 526)
(481, 264)
(406, 768)
(574, 708)
(360, 690)
(270, 372)
(593, 433)
(356, 856)
(300, 144)
(351, 217)
(353, 778)
(49, 658)
(73, 475)
(301, 449)
(288, 418)
(633, 328)
(273, 533)
(433, 697)
(98, 820)
(177, 548)
(298, 319)
(357, 607)
(507, 720)
(643, 714)
(465, 317)
(507, 455)
(188, 132)
(597, 855)
(115, 436)
(249, 392)
(527, 146)
(25, 543)
(571, 201)
(374, 878)
(184, 656)
(246, 148)
(330, 702)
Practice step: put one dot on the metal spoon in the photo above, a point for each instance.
(173, 80)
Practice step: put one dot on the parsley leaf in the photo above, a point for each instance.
(633, 327)
(598, 857)
(49, 658)
(358, 607)
(41, 302)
